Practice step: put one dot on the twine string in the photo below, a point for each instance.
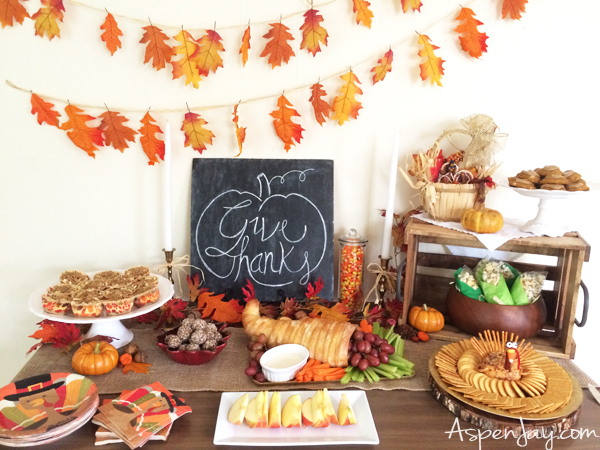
(178, 265)
(389, 279)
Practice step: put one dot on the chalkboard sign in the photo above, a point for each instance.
(265, 220)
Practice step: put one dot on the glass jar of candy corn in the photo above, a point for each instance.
(352, 257)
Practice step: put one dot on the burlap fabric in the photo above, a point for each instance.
(226, 372)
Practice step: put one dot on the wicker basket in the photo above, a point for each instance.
(451, 201)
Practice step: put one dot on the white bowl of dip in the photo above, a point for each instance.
(283, 362)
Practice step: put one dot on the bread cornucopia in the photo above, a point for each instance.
(326, 340)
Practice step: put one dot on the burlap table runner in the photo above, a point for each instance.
(226, 371)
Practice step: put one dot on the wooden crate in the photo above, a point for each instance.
(428, 278)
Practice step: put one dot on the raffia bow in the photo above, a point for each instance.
(390, 279)
(179, 264)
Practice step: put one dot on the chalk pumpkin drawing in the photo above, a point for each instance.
(276, 233)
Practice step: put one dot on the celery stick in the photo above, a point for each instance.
(394, 357)
(371, 373)
(376, 327)
(388, 374)
(349, 369)
(401, 365)
(399, 348)
(387, 368)
(346, 378)
(355, 374)
(389, 333)
(361, 376)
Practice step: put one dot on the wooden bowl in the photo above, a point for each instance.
(473, 316)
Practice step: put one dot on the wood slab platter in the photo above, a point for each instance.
(488, 418)
(296, 385)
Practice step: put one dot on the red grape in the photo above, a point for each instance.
(258, 356)
(260, 377)
(358, 335)
(378, 341)
(253, 363)
(367, 347)
(361, 346)
(370, 338)
(262, 338)
(250, 345)
(253, 354)
(349, 345)
(253, 338)
(389, 349)
(384, 341)
(363, 364)
(355, 347)
(373, 361)
(258, 346)
(251, 371)
(355, 359)
(384, 358)
(374, 352)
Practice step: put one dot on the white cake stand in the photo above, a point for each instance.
(103, 325)
(551, 219)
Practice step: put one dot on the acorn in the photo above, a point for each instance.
(140, 357)
(132, 349)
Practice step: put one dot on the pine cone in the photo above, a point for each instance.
(406, 331)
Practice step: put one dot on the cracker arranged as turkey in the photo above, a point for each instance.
(326, 340)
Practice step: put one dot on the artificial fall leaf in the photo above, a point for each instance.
(82, 136)
(111, 34)
(59, 334)
(245, 46)
(268, 310)
(321, 107)
(115, 132)
(385, 66)
(363, 13)
(208, 57)
(46, 18)
(278, 48)
(194, 285)
(150, 317)
(289, 307)
(514, 8)
(44, 111)
(12, 10)
(394, 308)
(97, 338)
(431, 68)
(171, 312)
(287, 130)
(153, 147)
(337, 312)
(136, 367)
(345, 105)
(230, 312)
(240, 132)
(313, 292)
(195, 134)
(374, 314)
(186, 65)
(248, 291)
(414, 5)
(157, 50)
(313, 34)
(472, 40)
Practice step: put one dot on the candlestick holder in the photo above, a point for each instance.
(384, 280)
(169, 258)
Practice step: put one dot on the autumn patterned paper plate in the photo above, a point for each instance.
(44, 407)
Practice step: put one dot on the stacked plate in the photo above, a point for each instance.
(45, 408)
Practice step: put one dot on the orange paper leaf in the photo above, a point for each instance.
(245, 46)
(363, 13)
(46, 18)
(207, 57)
(337, 312)
(321, 107)
(136, 367)
(44, 111)
(471, 41)
(187, 64)
(153, 147)
(115, 132)
(240, 132)
(230, 312)
(345, 105)
(514, 8)
(414, 5)
(157, 49)
(194, 285)
(278, 48)
(82, 136)
(195, 134)
(384, 66)
(12, 10)
(111, 34)
(431, 68)
(313, 34)
(287, 130)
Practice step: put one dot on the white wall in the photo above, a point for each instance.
(61, 209)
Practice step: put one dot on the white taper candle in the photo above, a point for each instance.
(389, 210)
(168, 225)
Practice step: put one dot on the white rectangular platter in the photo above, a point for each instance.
(363, 432)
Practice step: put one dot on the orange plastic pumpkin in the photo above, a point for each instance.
(95, 358)
(426, 319)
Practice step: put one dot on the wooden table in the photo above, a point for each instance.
(404, 420)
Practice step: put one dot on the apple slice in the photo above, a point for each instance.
(238, 410)
(265, 409)
(317, 408)
(275, 411)
(328, 411)
(307, 417)
(253, 417)
(345, 413)
(291, 415)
